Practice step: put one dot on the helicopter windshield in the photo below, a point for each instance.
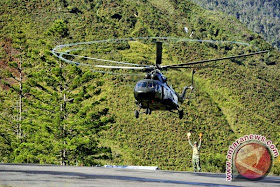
(145, 84)
(142, 84)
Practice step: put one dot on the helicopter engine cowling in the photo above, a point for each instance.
(148, 76)
(154, 76)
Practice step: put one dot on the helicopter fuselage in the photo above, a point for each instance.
(155, 94)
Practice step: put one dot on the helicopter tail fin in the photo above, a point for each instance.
(183, 96)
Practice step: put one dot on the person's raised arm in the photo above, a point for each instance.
(199, 144)
(189, 135)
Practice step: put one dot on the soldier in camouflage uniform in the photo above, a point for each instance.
(195, 156)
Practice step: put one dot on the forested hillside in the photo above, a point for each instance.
(52, 112)
(261, 16)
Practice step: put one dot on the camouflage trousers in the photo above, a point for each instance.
(196, 164)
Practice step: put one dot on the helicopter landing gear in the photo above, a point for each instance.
(136, 112)
(148, 111)
(181, 113)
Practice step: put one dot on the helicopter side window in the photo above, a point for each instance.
(139, 84)
(157, 87)
(151, 85)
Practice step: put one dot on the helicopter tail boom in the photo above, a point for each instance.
(182, 97)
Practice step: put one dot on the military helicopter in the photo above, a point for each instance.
(153, 92)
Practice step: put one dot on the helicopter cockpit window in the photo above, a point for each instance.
(144, 84)
(141, 84)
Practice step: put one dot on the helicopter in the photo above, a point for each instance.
(153, 92)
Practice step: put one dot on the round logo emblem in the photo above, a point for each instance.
(253, 161)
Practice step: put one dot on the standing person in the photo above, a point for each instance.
(195, 156)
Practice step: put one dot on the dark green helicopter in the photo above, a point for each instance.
(153, 92)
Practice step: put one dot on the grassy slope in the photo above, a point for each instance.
(231, 101)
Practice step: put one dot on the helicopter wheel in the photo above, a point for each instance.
(148, 111)
(136, 112)
(181, 114)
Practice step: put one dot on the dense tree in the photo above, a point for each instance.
(59, 29)
(12, 79)
(16, 51)
(261, 16)
(64, 119)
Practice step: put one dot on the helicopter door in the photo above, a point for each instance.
(162, 92)
(158, 91)
(167, 93)
(175, 97)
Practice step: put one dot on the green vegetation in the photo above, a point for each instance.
(63, 114)
(260, 16)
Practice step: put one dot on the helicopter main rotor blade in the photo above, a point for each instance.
(185, 65)
(188, 67)
(159, 53)
(122, 67)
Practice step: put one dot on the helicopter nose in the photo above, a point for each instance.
(144, 94)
